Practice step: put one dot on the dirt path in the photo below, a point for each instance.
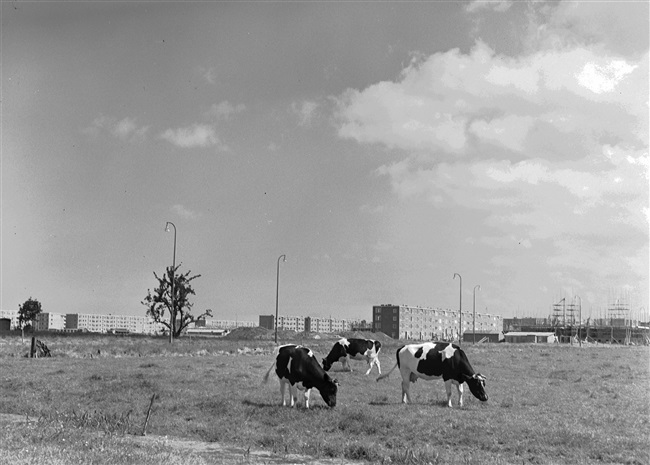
(222, 454)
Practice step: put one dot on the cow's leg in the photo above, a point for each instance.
(370, 361)
(306, 395)
(459, 387)
(283, 384)
(293, 392)
(406, 396)
(377, 363)
(448, 389)
(406, 380)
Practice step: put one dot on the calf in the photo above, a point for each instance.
(435, 360)
(357, 349)
(296, 366)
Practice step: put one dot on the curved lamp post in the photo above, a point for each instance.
(478, 286)
(460, 309)
(171, 316)
(277, 293)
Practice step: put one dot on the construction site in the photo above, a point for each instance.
(616, 325)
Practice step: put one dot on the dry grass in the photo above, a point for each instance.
(548, 404)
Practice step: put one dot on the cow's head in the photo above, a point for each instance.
(476, 384)
(328, 390)
(335, 354)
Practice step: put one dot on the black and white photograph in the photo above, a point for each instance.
(324, 232)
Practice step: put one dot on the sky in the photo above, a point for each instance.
(382, 147)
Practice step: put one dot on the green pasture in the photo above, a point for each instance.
(88, 403)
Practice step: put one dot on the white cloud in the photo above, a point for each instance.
(184, 212)
(509, 131)
(125, 129)
(306, 110)
(604, 78)
(439, 102)
(547, 151)
(611, 26)
(197, 135)
(208, 74)
(225, 110)
(478, 5)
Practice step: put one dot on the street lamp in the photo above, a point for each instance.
(580, 320)
(277, 293)
(460, 308)
(171, 312)
(478, 286)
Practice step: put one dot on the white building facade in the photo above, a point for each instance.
(47, 321)
(97, 323)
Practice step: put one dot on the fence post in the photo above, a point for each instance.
(31, 351)
(146, 420)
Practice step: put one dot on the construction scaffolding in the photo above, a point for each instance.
(617, 324)
(566, 314)
(559, 313)
(618, 313)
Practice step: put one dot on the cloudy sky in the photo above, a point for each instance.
(382, 147)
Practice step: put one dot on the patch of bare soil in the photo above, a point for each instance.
(233, 454)
(214, 452)
(12, 418)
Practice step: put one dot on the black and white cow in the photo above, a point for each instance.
(297, 366)
(356, 349)
(435, 360)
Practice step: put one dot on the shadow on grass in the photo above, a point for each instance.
(277, 405)
(253, 403)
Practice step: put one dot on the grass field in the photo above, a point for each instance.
(548, 404)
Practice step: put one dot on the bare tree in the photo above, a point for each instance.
(160, 304)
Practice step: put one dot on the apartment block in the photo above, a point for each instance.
(312, 324)
(426, 323)
(292, 323)
(224, 324)
(96, 323)
(12, 316)
(47, 321)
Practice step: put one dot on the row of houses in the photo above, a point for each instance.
(396, 321)
(94, 323)
(313, 324)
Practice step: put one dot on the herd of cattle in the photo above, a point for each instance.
(297, 367)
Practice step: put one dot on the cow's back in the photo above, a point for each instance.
(297, 364)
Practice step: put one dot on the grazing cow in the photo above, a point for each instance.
(296, 366)
(357, 349)
(435, 360)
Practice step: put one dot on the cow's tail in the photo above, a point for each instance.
(386, 375)
(276, 351)
(268, 373)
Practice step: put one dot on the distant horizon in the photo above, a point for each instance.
(639, 316)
